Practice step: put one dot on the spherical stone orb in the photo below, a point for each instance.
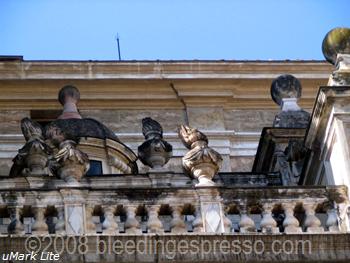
(68, 93)
(285, 86)
(337, 41)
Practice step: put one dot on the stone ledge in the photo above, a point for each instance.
(201, 248)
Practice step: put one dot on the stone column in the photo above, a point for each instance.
(198, 221)
(246, 224)
(40, 227)
(177, 223)
(332, 220)
(268, 223)
(290, 223)
(110, 226)
(312, 223)
(60, 225)
(132, 226)
(90, 226)
(154, 225)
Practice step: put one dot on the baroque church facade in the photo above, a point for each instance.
(176, 161)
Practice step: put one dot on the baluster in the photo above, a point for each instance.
(90, 226)
(198, 221)
(109, 225)
(154, 225)
(246, 224)
(16, 224)
(40, 227)
(132, 226)
(60, 224)
(312, 223)
(177, 223)
(332, 220)
(268, 223)
(290, 223)
(227, 223)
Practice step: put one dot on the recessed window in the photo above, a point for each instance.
(95, 168)
(44, 117)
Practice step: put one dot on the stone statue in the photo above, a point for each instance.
(154, 152)
(33, 156)
(285, 91)
(202, 162)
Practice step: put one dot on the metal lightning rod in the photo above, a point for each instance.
(117, 38)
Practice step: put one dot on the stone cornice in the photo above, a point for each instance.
(154, 84)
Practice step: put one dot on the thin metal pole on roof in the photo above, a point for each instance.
(120, 58)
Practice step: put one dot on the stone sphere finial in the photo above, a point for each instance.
(68, 93)
(285, 86)
(69, 96)
(337, 41)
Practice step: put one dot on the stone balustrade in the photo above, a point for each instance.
(73, 210)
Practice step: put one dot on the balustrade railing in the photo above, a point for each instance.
(295, 210)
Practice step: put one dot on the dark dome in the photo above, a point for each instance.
(77, 128)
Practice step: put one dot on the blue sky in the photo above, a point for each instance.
(165, 29)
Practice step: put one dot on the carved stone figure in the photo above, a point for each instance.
(154, 152)
(33, 156)
(73, 163)
(202, 162)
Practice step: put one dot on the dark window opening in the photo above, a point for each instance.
(44, 117)
(95, 168)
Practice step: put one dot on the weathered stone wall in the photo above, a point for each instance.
(10, 121)
(10, 125)
(129, 121)
(249, 120)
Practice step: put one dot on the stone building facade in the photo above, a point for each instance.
(159, 161)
